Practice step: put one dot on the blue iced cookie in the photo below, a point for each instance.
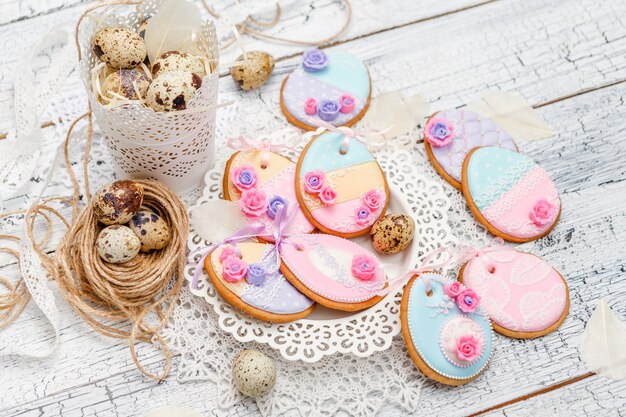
(447, 334)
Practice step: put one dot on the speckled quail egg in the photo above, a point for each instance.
(122, 83)
(117, 244)
(392, 233)
(119, 47)
(172, 90)
(118, 202)
(254, 71)
(254, 373)
(179, 62)
(151, 230)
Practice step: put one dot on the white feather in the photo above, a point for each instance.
(175, 27)
(216, 220)
(602, 344)
(513, 114)
(396, 116)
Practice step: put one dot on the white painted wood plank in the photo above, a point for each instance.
(16, 10)
(594, 396)
(301, 20)
(584, 142)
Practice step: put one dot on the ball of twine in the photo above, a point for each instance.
(141, 292)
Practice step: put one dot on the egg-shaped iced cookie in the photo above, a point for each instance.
(260, 187)
(512, 196)
(335, 272)
(450, 135)
(448, 336)
(248, 277)
(333, 86)
(341, 193)
(522, 294)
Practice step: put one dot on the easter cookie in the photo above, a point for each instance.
(248, 278)
(447, 335)
(450, 135)
(333, 271)
(332, 86)
(512, 196)
(341, 193)
(259, 187)
(523, 295)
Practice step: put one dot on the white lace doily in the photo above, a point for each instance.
(361, 333)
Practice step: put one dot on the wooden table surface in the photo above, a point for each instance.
(567, 58)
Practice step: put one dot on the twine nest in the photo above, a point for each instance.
(140, 293)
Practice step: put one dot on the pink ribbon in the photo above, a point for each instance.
(252, 230)
(266, 145)
(465, 254)
(348, 133)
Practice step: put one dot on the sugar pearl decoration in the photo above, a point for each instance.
(254, 373)
(254, 71)
(392, 233)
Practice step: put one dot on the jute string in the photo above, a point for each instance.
(247, 27)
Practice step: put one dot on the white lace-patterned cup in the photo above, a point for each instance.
(174, 148)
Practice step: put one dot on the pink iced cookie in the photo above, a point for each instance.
(333, 271)
(510, 194)
(523, 295)
(259, 189)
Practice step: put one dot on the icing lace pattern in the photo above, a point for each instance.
(496, 189)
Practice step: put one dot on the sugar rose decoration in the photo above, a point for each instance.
(234, 269)
(256, 274)
(466, 299)
(364, 267)
(327, 195)
(253, 202)
(373, 200)
(310, 106)
(347, 103)
(227, 252)
(314, 60)
(245, 177)
(542, 213)
(439, 132)
(274, 205)
(314, 181)
(328, 110)
(363, 215)
(467, 348)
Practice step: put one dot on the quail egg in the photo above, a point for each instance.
(119, 47)
(117, 244)
(151, 230)
(254, 71)
(179, 62)
(122, 83)
(118, 202)
(254, 373)
(172, 90)
(392, 233)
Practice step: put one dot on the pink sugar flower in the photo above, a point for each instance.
(314, 181)
(227, 252)
(542, 213)
(310, 106)
(327, 195)
(467, 348)
(244, 177)
(374, 200)
(364, 267)
(453, 289)
(347, 103)
(439, 132)
(253, 202)
(467, 300)
(234, 269)
(363, 215)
